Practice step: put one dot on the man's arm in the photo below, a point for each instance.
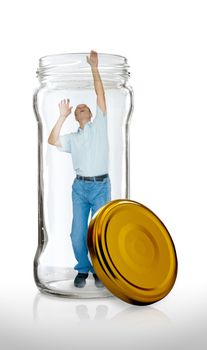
(65, 110)
(99, 89)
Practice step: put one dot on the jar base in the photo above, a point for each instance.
(66, 288)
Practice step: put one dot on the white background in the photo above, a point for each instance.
(165, 43)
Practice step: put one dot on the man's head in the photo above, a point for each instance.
(82, 113)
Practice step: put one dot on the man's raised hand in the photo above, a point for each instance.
(93, 59)
(64, 107)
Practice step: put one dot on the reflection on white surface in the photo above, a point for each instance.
(98, 323)
(109, 311)
(32, 320)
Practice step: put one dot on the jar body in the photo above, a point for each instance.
(55, 260)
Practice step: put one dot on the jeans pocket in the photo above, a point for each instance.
(107, 182)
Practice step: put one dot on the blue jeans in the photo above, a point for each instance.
(86, 196)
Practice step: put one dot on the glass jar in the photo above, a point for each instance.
(83, 161)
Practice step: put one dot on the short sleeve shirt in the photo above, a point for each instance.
(89, 146)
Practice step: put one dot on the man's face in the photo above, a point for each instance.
(82, 113)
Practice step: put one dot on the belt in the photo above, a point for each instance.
(92, 178)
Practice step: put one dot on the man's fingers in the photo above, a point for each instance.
(66, 100)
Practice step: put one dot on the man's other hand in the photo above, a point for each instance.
(64, 107)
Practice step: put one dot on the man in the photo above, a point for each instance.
(91, 188)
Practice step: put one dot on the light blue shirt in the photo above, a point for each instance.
(89, 146)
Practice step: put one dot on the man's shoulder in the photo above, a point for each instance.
(72, 133)
(100, 115)
(99, 110)
(66, 135)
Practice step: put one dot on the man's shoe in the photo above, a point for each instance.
(80, 279)
(98, 283)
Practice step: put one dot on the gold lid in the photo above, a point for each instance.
(132, 252)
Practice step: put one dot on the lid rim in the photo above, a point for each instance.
(111, 275)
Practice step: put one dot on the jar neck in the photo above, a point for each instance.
(73, 69)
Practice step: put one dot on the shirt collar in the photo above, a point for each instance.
(80, 129)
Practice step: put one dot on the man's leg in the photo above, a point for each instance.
(101, 194)
(81, 209)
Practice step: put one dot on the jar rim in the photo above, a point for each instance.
(82, 53)
(74, 66)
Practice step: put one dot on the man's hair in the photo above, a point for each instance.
(88, 109)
